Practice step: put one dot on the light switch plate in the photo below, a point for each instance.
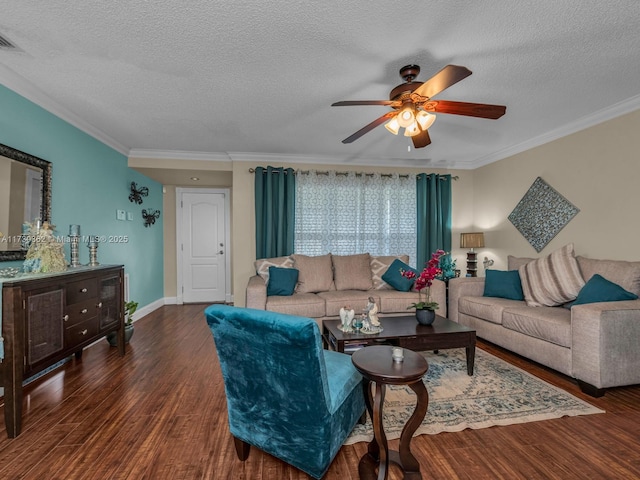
(130, 216)
(120, 214)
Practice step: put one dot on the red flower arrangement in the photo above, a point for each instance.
(425, 280)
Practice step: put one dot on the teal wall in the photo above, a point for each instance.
(90, 182)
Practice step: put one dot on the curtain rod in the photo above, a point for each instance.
(358, 174)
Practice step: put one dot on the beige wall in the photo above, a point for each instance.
(596, 169)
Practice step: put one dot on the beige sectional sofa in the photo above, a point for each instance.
(329, 282)
(598, 344)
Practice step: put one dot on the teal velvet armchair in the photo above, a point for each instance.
(285, 394)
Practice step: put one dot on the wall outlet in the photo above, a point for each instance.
(130, 216)
(120, 214)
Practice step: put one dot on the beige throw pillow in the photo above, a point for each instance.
(352, 272)
(316, 273)
(262, 265)
(380, 265)
(552, 280)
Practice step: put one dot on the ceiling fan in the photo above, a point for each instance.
(413, 107)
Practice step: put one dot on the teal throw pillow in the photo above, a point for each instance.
(599, 289)
(394, 278)
(282, 281)
(503, 284)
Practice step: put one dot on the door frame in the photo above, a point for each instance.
(179, 239)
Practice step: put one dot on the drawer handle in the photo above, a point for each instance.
(99, 305)
(65, 318)
(84, 310)
(84, 290)
(84, 332)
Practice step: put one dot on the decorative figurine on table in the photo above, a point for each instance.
(372, 313)
(346, 318)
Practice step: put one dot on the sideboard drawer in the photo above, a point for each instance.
(79, 312)
(82, 290)
(80, 332)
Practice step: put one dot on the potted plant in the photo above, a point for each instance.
(425, 310)
(130, 308)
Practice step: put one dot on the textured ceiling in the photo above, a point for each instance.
(255, 79)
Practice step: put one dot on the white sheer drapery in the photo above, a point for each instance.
(353, 213)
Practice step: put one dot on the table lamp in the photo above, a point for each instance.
(472, 240)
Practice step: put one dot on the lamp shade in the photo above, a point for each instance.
(472, 240)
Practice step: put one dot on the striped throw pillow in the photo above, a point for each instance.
(552, 280)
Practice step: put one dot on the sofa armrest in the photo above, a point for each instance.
(604, 346)
(463, 287)
(438, 292)
(256, 295)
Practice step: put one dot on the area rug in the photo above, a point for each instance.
(497, 394)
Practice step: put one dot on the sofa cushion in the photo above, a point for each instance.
(393, 301)
(514, 263)
(356, 299)
(625, 274)
(599, 289)
(394, 278)
(551, 324)
(282, 281)
(503, 284)
(486, 308)
(352, 272)
(262, 265)
(551, 280)
(301, 304)
(379, 266)
(316, 273)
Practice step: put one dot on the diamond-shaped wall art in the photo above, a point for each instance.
(541, 214)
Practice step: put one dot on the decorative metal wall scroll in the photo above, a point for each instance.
(541, 214)
(137, 193)
(150, 216)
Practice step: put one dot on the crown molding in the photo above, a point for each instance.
(179, 155)
(329, 160)
(26, 89)
(608, 113)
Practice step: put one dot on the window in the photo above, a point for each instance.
(355, 213)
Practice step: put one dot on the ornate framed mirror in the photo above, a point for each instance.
(25, 195)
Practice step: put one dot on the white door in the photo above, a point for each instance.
(203, 247)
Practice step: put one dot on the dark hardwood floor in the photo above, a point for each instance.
(160, 413)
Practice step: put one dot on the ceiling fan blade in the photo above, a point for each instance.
(369, 127)
(347, 103)
(422, 139)
(446, 77)
(481, 110)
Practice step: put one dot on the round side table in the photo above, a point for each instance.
(378, 367)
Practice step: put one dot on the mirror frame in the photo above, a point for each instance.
(45, 208)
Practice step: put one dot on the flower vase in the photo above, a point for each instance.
(425, 316)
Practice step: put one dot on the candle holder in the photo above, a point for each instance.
(93, 251)
(74, 241)
(397, 354)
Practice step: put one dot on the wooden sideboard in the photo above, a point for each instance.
(49, 317)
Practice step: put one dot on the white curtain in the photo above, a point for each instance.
(355, 213)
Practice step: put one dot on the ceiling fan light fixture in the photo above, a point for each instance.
(412, 130)
(392, 125)
(425, 119)
(406, 116)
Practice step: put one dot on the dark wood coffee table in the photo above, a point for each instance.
(405, 332)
